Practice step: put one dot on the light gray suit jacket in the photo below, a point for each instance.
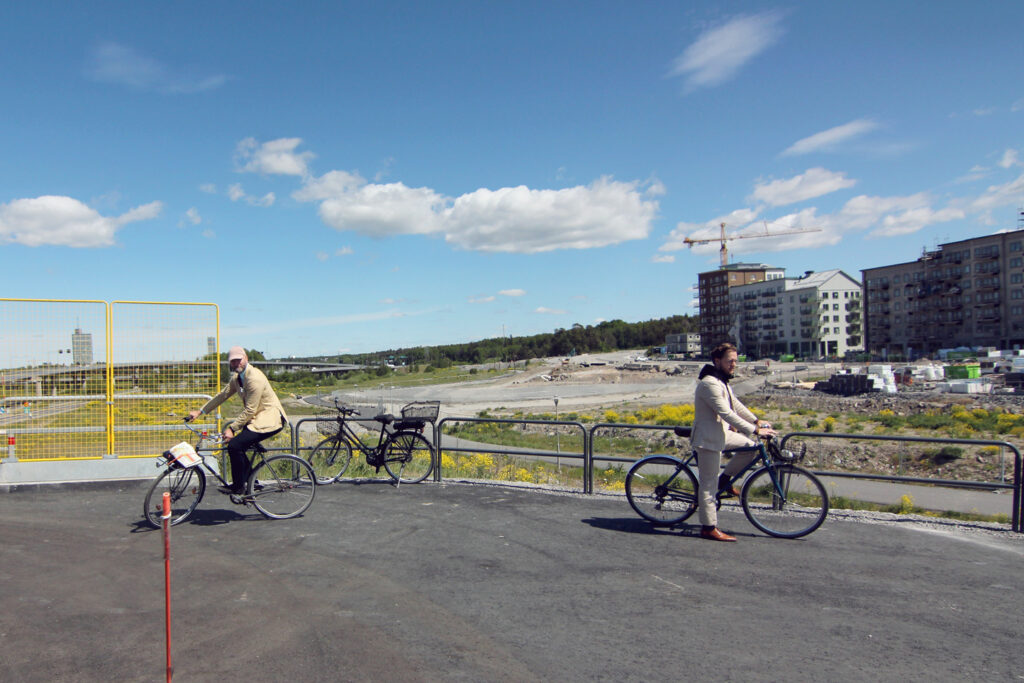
(716, 409)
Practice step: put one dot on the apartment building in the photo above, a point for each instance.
(815, 315)
(713, 297)
(964, 293)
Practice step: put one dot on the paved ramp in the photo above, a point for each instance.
(481, 583)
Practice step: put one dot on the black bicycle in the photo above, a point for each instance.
(780, 498)
(401, 448)
(281, 486)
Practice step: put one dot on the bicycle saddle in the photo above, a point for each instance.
(683, 431)
(384, 418)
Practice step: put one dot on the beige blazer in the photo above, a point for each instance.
(261, 409)
(716, 410)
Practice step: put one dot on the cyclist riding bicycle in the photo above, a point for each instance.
(261, 418)
(721, 423)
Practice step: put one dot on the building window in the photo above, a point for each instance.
(1014, 246)
(1017, 294)
(835, 330)
(1016, 262)
(835, 295)
(1016, 278)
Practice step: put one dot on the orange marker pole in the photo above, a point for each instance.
(167, 576)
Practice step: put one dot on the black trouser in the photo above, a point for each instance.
(241, 468)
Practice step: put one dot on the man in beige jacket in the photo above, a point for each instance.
(720, 423)
(261, 418)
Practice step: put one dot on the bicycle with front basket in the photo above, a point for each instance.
(281, 486)
(780, 498)
(401, 449)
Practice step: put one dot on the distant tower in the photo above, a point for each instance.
(211, 345)
(81, 347)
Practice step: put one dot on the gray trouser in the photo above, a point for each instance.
(708, 465)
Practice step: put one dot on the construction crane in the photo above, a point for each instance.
(725, 238)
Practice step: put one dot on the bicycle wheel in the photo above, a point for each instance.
(409, 457)
(799, 510)
(660, 491)
(186, 487)
(282, 486)
(330, 459)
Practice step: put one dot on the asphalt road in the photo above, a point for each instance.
(481, 583)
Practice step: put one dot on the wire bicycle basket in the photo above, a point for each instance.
(421, 410)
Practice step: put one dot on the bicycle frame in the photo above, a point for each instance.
(217, 448)
(374, 454)
(762, 459)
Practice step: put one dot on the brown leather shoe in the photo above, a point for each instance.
(712, 533)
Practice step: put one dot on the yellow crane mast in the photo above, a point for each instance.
(689, 241)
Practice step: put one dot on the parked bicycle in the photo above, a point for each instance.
(401, 449)
(780, 498)
(281, 486)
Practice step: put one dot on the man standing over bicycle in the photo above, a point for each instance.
(721, 423)
(261, 418)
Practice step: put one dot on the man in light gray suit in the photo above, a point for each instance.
(721, 423)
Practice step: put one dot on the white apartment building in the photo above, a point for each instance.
(816, 315)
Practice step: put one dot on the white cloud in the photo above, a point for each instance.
(63, 221)
(193, 217)
(1001, 195)
(719, 53)
(344, 251)
(913, 220)
(1018, 105)
(511, 219)
(275, 157)
(512, 292)
(827, 140)
(481, 299)
(208, 188)
(1010, 159)
(549, 311)
(663, 258)
(122, 65)
(814, 182)
(984, 111)
(322, 256)
(236, 193)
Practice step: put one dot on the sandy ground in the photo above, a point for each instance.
(578, 384)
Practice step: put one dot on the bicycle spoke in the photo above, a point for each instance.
(790, 504)
(408, 457)
(660, 492)
(282, 486)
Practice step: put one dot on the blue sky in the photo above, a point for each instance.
(341, 177)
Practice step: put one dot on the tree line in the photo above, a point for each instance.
(612, 335)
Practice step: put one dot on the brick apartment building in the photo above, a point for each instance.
(964, 293)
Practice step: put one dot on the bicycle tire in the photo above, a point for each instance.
(282, 486)
(330, 459)
(652, 499)
(186, 487)
(408, 457)
(801, 511)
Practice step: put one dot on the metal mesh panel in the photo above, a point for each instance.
(164, 359)
(53, 378)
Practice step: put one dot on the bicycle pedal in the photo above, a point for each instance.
(237, 499)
